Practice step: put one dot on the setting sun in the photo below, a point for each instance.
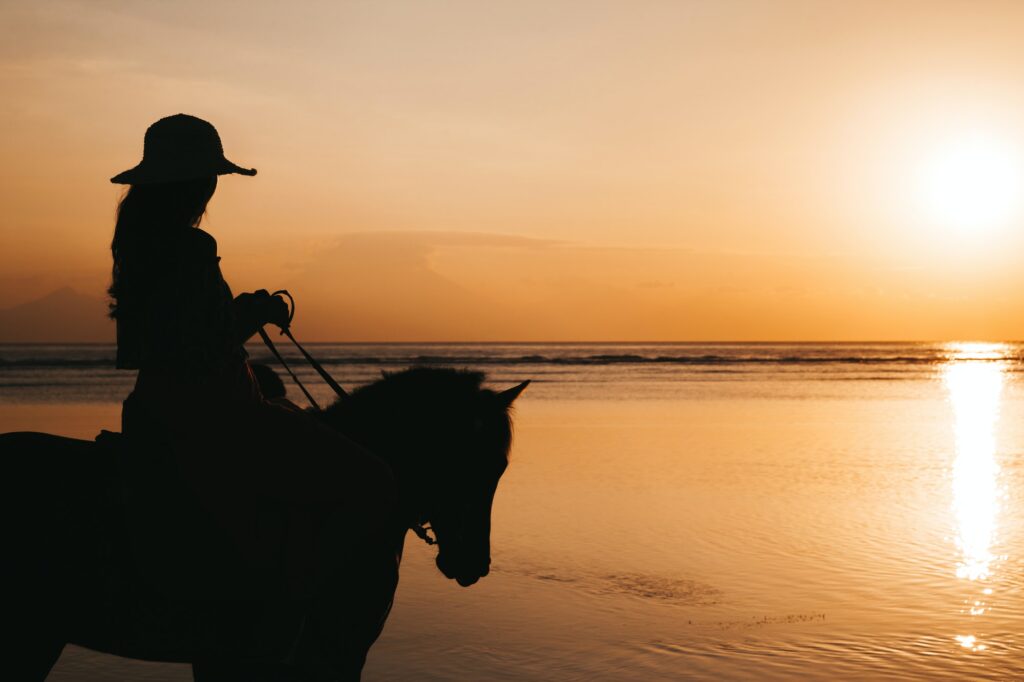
(971, 183)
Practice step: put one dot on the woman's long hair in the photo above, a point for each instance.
(147, 219)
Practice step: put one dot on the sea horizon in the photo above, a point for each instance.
(573, 342)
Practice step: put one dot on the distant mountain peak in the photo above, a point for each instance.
(62, 316)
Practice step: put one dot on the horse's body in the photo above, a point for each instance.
(73, 570)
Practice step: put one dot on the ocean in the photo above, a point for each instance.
(687, 511)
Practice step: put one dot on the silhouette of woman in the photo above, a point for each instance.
(195, 400)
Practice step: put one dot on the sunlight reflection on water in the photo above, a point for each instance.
(974, 379)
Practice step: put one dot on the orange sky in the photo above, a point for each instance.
(537, 170)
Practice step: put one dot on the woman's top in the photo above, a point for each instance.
(183, 332)
(183, 328)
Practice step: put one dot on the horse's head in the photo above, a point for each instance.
(447, 441)
(459, 511)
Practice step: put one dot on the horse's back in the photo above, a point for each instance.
(49, 478)
(16, 442)
(54, 506)
(52, 485)
(29, 452)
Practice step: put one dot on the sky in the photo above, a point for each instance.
(545, 171)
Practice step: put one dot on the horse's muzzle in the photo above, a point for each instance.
(465, 573)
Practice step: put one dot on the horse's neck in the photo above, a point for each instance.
(346, 418)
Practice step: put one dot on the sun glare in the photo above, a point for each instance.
(971, 184)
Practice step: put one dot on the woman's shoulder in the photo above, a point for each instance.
(198, 243)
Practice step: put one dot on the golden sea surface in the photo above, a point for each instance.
(790, 526)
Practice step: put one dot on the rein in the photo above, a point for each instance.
(286, 330)
(273, 349)
(422, 531)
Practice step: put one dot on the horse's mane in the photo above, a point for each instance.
(440, 384)
(395, 411)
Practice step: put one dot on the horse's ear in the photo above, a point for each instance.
(507, 396)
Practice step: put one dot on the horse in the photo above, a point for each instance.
(71, 575)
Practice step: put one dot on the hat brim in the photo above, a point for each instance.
(144, 174)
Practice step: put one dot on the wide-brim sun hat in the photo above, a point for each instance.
(177, 148)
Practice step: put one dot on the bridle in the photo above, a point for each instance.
(423, 533)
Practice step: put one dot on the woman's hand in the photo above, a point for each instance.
(277, 311)
(259, 308)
